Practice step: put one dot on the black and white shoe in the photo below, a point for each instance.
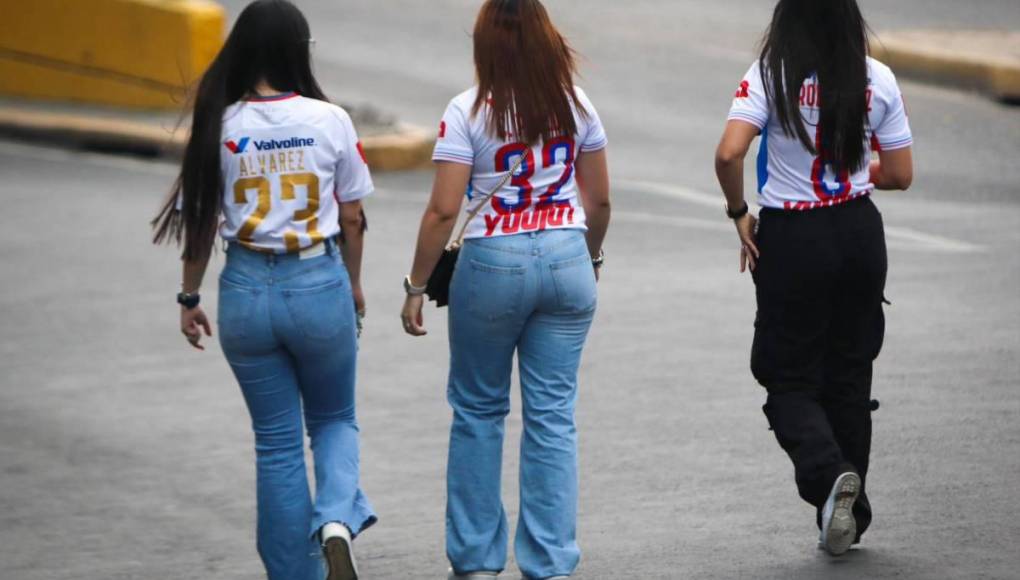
(839, 528)
(338, 550)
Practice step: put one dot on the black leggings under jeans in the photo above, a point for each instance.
(820, 326)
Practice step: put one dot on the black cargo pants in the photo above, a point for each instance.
(819, 328)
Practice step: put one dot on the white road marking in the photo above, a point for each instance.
(673, 191)
(899, 238)
(677, 222)
(58, 155)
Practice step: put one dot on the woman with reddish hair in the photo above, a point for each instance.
(524, 283)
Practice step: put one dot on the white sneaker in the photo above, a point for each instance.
(483, 575)
(338, 550)
(839, 528)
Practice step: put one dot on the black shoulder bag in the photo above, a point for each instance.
(438, 286)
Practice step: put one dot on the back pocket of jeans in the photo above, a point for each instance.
(235, 309)
(496, 292)
(322, 312)
(574, 280)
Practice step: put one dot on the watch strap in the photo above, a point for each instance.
(188, 301)
(738, 213)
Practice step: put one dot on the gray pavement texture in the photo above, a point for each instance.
(124, 454)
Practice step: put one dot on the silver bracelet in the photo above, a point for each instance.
(411, 289)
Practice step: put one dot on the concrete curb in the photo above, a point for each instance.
(407, 147)
(129, 53)
(988, 61)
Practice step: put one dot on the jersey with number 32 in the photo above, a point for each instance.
(543, 192)
(790, 176)
(288, 162)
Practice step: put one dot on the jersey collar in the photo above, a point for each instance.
(272, 98)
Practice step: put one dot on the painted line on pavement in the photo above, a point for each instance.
(897, 237)
(56, 154)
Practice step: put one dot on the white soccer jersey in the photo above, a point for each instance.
(789, 176)
(543, 192)
(288, 162)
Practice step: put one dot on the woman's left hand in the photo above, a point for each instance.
(748, 247)
(359, 307)
(193, 322)
(411, 316)
(359, 300)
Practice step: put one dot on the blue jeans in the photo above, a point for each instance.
(287, 328)
(533, 294)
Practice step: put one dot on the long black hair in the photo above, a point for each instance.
(828, 38)
(269, 42)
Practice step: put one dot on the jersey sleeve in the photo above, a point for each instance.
(595, 139)
(750, 103)
(893, 131)
(352, 177)
(454, 140)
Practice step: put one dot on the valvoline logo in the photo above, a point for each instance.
(239, 146)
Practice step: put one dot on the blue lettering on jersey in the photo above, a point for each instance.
(291, 143)
(270, 145)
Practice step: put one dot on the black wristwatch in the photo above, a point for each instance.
(737, 214)
(597, 261)
(188, 301)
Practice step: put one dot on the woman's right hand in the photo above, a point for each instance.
(411, 316)
(749, 254)
(193, 322)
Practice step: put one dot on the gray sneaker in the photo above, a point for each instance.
(839, 528)
(482, 575)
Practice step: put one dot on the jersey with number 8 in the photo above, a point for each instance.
(790, 176)
(288, 162)
(542, 193)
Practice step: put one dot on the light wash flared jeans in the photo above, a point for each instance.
(287, 327)
(533, 295)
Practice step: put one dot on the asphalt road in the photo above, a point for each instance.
(124, 454)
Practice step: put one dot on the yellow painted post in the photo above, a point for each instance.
(137, 53)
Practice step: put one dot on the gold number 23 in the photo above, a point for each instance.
(309, 215)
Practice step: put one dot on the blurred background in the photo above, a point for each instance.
(125, 454)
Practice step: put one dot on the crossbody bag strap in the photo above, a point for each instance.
(474, 213)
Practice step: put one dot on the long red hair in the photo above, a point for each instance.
(525, 72)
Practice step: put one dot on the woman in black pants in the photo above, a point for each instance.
(818, 255)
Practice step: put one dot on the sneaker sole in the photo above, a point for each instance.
(340, 560)
(842, 528)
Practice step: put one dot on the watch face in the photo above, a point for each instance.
(188, 300)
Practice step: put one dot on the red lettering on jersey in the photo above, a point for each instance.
(744, 91)
(442, 129)
(361, 151)
(511, 223)
(809, 96)
(867, 95)
(491, 221)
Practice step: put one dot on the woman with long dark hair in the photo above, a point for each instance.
(818, 255)
(276, 169)
(524, 283)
